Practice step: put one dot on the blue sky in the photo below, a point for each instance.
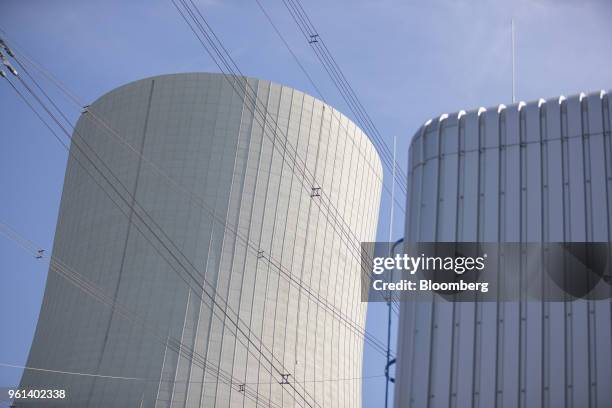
(407, 60)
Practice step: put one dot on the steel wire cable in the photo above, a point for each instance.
(80, 282)
(374, 342)
(138, 215)
(174, 256)
(357, 249)
(24, 245)
(307, 75)
(357, 257)
(237, 75)
(339, 79)
(68, 121)
(304, 17)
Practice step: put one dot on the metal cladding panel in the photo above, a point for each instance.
(535, 172)
(226, 172)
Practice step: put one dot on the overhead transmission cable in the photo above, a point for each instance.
(93, 163)
(77, 145)
(337, 76)
(376, 343)
(168, 246)
(223, 58)
(228, 67)
(225, 62)
(39, 101)
(320, 94)
(89, 288)
(357, 250)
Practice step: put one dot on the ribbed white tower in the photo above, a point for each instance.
(534, 172)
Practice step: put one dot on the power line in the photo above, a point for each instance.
(78, 280)
(357, 250)
(347, 321)
(92, 290)
(81, 149)
(81, 283)
(222, 58)
(338, 78)
(169, 246)
(112, 377)
(118, 193)
(214, 47)
(366, 335)
(318, 91)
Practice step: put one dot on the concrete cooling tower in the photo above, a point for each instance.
(211, 228)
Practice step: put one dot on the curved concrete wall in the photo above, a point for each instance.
(535, 172)
(203, 135)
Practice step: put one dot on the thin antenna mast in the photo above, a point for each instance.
(513, 62)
